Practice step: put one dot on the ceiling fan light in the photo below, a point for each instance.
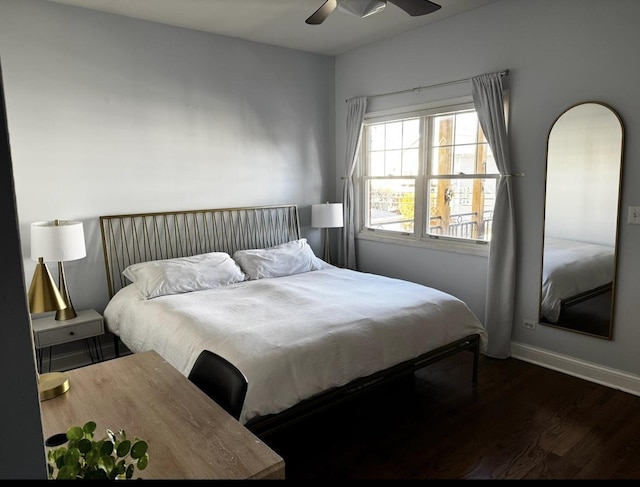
(362, 8)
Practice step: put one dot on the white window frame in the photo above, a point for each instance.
(419, 238)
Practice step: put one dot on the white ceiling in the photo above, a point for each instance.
(279, 22)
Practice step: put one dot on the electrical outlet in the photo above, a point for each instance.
(531, 325)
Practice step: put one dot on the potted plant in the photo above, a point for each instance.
(112, 457)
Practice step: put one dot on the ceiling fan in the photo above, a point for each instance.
(364, 8)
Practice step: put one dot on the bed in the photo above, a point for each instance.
(573, 272)
(308, 335)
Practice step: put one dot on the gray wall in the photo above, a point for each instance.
(113, 115)
(559, 52)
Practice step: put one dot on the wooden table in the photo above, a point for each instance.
(189, 435)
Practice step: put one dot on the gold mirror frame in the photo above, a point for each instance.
(585, 147)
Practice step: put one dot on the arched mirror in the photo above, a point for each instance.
(584, 167)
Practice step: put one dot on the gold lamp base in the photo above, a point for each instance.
(52, 384)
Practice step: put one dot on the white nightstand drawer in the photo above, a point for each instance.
(68, 334)
(47, 332)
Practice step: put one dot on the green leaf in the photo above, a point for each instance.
(92, 457)
(85, 445)
(57, 456)
(75, 433)
(106, 448)
(130, 470)
(107, 464)
(68, 472)
(139, 448)
(121, 466)
(60, 461)
(72, 456)
(123, 448)
(89, 427)
(143, 461)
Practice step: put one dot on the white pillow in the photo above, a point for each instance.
(290, 258)
(184, 274)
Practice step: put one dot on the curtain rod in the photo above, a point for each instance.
(418, 88)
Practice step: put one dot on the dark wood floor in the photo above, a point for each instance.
(521, 421)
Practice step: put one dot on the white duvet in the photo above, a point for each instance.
(570, 268)
(294, 336)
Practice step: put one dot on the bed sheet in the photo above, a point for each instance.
(295, 336)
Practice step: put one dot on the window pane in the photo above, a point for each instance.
(442, 130)
(410, 162)
(441, 160)
(391, 204)
(487, 160)
(393, 139)
(466, 128)
(411, 133)
(462, 153)
(464, 160)
(461, 208)
(393, 164)
(394, 148)
(376, 137)
(376, 164)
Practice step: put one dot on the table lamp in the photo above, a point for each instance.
(43, 297)
(59, 240)
(327, 215)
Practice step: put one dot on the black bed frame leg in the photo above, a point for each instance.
(476, 357)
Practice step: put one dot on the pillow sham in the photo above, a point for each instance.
(184, 274)
(286, 259)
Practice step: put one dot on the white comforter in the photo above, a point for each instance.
(570, 268)
(294, 336)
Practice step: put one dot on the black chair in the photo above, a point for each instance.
(221, 381)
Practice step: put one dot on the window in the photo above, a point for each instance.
(428, 176)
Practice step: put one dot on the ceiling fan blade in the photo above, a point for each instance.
(416, 7)
(322, 13)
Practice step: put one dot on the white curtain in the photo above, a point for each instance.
(488, 100)
(356, 108)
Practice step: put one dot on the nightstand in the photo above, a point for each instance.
(88, 326)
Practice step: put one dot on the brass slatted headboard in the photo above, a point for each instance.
(129, 239)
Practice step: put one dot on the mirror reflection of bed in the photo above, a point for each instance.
(576, 285)
(584, 162)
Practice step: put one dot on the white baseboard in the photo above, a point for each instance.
(613, 378)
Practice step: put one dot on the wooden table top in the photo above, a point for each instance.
(189, 435)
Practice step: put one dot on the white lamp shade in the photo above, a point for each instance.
(59, 240)
(326, 215)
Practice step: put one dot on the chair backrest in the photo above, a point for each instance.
(221, 381)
